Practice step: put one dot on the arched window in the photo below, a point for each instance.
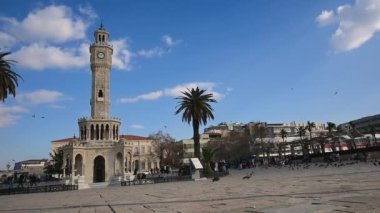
(103, 40)
(100, 94)
(92, 132)
(100, 38)
(97, 132)
(113, 132)
(101, 132)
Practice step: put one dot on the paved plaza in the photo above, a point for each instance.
(350, 188)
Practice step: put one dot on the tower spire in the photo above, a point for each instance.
(101, 25)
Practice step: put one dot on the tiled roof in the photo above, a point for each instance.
(133, 137)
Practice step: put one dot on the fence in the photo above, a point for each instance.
(155, 179)
(37, 189)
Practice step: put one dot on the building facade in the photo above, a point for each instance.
(35, 166)
(188, 145)
(100, 153)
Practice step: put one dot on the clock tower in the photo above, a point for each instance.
(101, 60)
(100, 126)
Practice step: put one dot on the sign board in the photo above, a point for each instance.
(196, 163)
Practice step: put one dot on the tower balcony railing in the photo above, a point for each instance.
(96, 119)
(103, 43)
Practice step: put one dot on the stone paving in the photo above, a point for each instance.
(351, 188)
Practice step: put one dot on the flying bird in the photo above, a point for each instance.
(336, 93)
(33, 116)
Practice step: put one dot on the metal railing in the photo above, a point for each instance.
(38, 189)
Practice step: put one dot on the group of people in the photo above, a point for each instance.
(219, 166)
(163, 170)
(21, 179)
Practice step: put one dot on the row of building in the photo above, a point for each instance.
(272, 132)
(144, 152)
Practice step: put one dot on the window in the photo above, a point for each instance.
(100, 94)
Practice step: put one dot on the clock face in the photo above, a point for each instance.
(101, 55)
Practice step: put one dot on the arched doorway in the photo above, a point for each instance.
(78, 165)
(99, 169)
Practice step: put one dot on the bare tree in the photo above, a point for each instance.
(166, 148)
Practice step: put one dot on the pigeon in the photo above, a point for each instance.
(248, 176)
(215, 179)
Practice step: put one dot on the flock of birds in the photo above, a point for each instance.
(34, 116)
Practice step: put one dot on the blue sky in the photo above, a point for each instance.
(274, 61)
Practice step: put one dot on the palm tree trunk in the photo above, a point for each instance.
(197, 147)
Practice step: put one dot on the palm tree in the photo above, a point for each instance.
(310, 126)
(57, 158)
(196, 108)
(8, 78)
(208, 155)
(301, 131)
(283, 134)
(330, 127)
(353, 133)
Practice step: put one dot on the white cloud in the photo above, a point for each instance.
(175, 92)
(155, 52)
(121, 57)
(88, 11)
(54, 23)
(41, 97)
(6, 40)
(40, 56)
(326, 17)
(357, 24)
(168, 41)
(209, 86)
(136, 126)
(145, 97)
(10, 115)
